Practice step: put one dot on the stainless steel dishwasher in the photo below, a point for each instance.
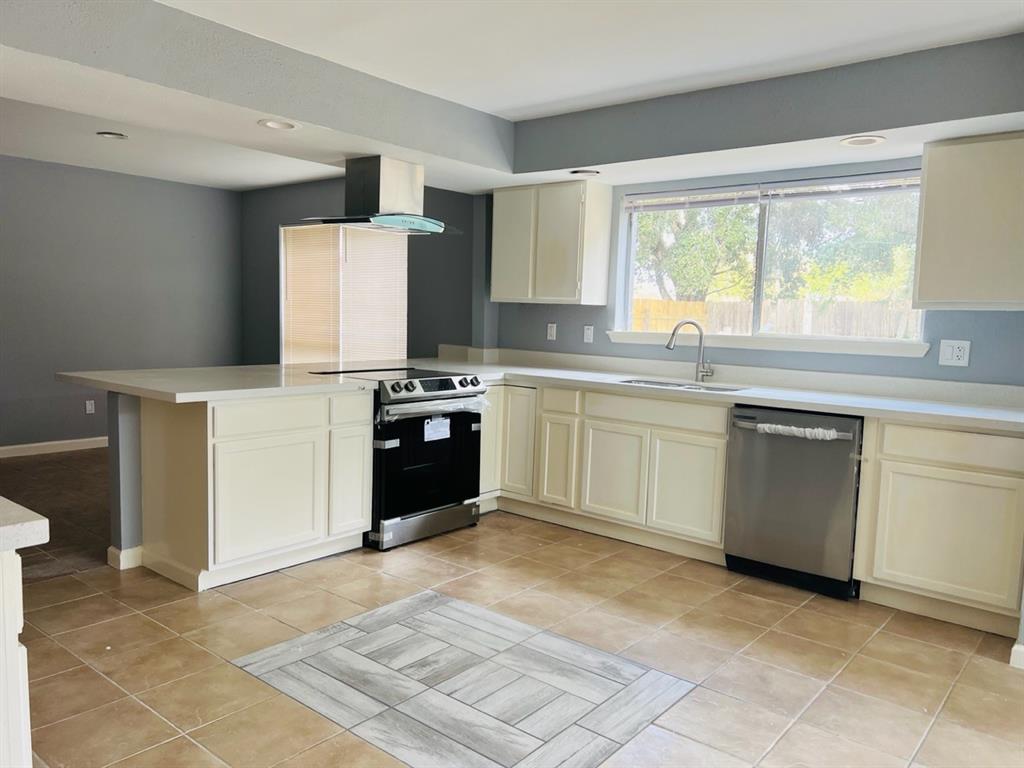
(791, 497)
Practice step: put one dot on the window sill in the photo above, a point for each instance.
(766, 341)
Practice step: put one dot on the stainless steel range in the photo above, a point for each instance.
(426, 453)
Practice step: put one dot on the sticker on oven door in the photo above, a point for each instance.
(437, 428)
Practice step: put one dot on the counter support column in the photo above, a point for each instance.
(123, 420)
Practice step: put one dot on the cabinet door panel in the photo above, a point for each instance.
(559, 241)
(558, 436)
(351, 480)
(614, 475)
(520, 426)
(268, 493)
(687, 480)
(972, 194)
(491, 421)
(952, 533)
(513, 239)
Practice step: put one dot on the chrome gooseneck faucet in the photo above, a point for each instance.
(704, 369)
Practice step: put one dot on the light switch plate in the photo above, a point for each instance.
(588, 334)
(552, 331)
(90, 407)
(954, 352)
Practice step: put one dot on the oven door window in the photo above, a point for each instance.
(435, 464)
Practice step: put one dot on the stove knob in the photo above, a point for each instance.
(463, 382)
(475, 381)
(410, 386)
(396, 387)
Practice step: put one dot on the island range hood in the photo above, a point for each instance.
(385, 195)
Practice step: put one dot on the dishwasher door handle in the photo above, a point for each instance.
(752, 425)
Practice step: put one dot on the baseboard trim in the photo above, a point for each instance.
(52, 446)
(613, 530)
(1017, 656)
(123, 559)
(964, 615)
(208, 579)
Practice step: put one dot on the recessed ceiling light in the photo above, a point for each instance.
(111, 135)
(277, 125)
(862, 141)
(584, 172)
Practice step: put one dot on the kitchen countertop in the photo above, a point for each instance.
(191, 385)
(21, 527)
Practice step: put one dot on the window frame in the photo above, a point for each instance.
(757, 339)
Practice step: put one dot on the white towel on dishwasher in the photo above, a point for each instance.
(807, 433)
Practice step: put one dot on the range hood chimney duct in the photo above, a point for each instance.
(384, 194)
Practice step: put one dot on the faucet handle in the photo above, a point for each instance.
(706, 370)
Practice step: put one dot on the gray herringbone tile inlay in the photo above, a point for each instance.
(436, 681)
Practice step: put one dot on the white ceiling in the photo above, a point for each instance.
(522, 59)
(57, 136)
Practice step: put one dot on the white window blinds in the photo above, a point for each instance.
(374, 295)
(311, 295)
(344, 295)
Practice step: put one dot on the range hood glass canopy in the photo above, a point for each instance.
(385, 195)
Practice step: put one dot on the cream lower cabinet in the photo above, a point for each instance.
(951, 532)
(269, 493)
(557, 459)
(614, 470)
(233, 489)
(686, 485)
(351, 480)
(490, 440)
(519, 426)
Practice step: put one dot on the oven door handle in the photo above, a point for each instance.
(397, 411)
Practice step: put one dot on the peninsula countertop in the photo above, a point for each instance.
(192, 385)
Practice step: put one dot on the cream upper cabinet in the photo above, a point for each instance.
(513, 239)
(558, 459)
(551, 243)
(685, 490)
(351, 480)
(268, 493)
(519, 426)
(970, 244)
(951, 532)
(614, 470)
(490, 440)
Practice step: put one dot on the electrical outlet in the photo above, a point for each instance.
(552, 331)
(588, 334)
(90, 407)
(954, 352)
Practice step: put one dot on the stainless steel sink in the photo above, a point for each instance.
(680, 385)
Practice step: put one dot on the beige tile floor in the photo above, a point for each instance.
(129, 669)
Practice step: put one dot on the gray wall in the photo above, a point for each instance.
(441, 268)
(103, 270)
(997, 338)
(997, 345)
(441, 276)
(949, 83)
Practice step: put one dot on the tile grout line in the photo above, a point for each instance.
(809, 704)
(134, 696)
(942, 704)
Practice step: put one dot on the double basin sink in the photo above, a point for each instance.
(677, 385)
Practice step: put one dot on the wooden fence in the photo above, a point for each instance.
(870, 319)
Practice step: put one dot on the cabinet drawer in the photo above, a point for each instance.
(662, 413)
(1002, 454)
(356, 408)
(561, 400)
(278, 414)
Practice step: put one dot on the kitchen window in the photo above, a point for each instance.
(343, 295)
(817, 266)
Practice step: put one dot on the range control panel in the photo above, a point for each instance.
(397, 390)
